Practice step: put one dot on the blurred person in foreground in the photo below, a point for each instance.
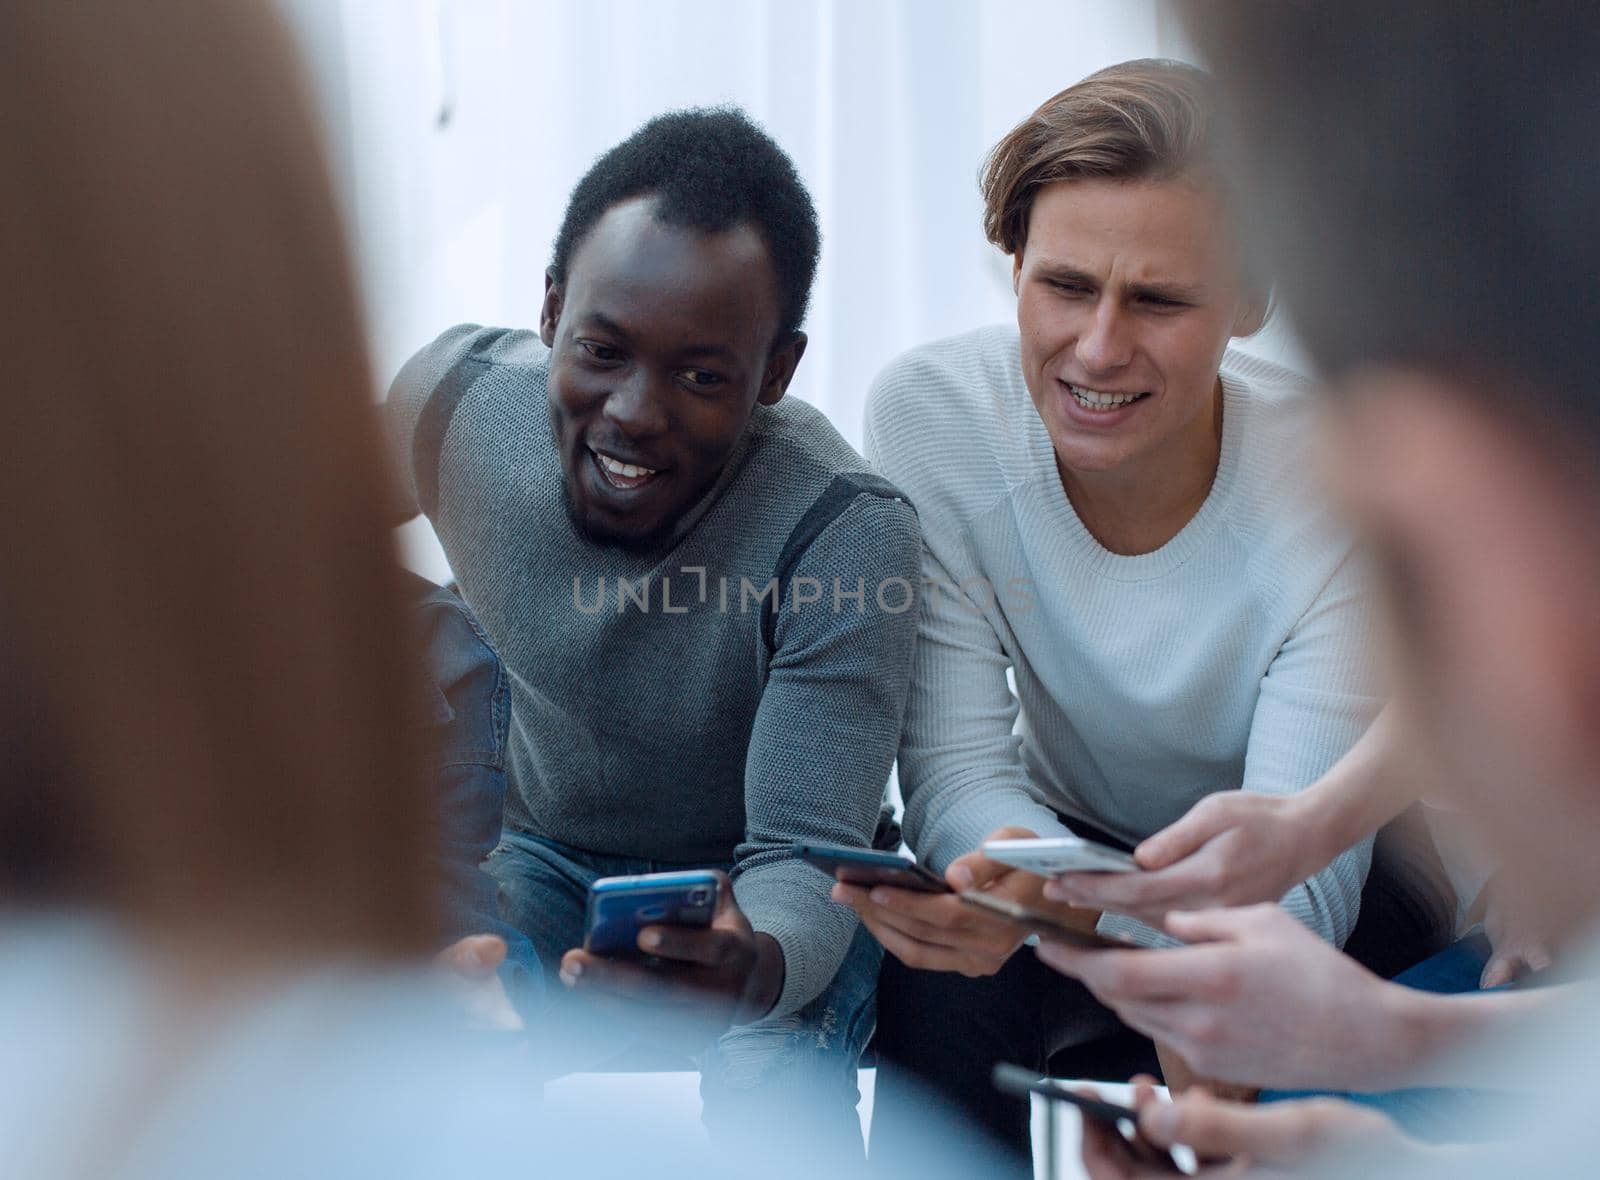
(1114, 513)
(1428, 184)
(217, 874)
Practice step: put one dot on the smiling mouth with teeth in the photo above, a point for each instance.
(1091, 399)
(619, 474)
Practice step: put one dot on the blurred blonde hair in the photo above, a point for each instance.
(208, 679)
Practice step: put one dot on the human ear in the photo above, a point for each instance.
(781, 364)
(550, 311)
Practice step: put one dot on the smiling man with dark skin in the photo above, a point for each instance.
(697, 306)
(656, 343)
(704, 600)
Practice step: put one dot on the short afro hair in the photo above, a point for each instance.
(710, 169)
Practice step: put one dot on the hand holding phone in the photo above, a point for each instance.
(619, 908)
(937, 931)
(1119, 1122)
(688, 973)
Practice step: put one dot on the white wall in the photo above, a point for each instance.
(459, 126)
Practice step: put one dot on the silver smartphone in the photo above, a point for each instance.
(1046, 926)
(1051, 856)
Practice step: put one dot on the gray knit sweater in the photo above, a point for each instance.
(662, 708)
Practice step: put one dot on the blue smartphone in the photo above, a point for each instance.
(620, 907)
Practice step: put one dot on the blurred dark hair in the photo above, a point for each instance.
(206, 675)
(1428, 181)
(709, 169)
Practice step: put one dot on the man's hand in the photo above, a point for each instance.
(1234, 1139)
(1232, 848)
(471, 965)
(1518, 938)
(1257, 1000)
(705, 980)
(940, 932)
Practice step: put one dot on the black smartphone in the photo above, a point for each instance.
(1013, 1079)
(1041, 923)
(868, 867)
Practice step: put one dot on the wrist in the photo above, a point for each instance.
(1326, 824)
(1412, 1027)
(765, 986)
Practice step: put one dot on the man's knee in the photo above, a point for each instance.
(541, 896)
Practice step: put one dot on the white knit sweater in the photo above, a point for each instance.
(1239, 654)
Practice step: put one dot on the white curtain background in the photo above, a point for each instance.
(458, 127)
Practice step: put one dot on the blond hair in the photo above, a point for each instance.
(1148, 119)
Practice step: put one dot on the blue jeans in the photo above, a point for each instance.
(1439, 1114)
(789, 1081)
(466, 710)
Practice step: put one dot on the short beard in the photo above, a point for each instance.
(631, 546)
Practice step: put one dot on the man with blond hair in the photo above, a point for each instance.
(1114, 513)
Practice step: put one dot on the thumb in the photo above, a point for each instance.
(1205, 821)
(476, 955)
(725, 903)
(1218, 1129)
(1497, 971)
(975, 870)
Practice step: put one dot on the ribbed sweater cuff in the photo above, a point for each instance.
(1134, 931)
(789, 901)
